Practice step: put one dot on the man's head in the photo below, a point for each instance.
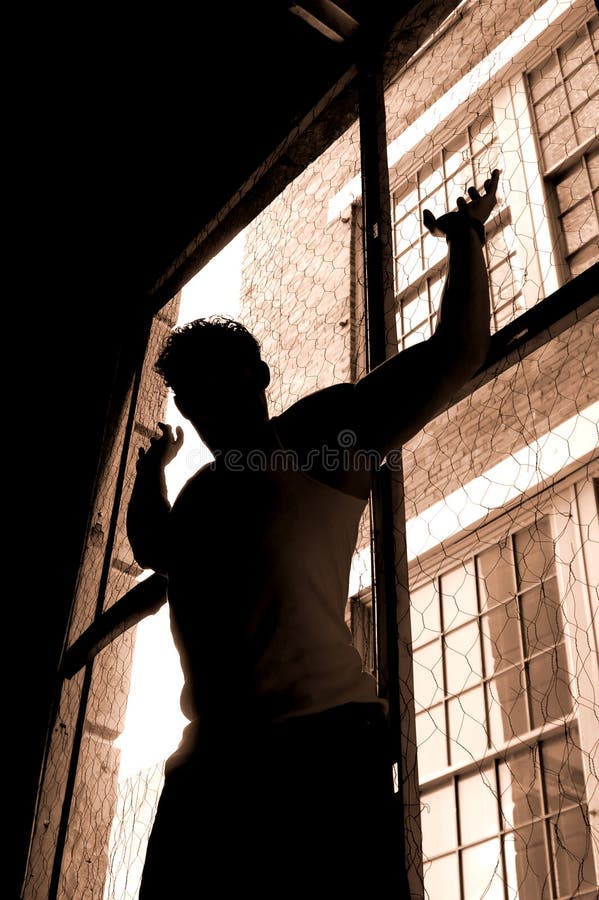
(214, 368)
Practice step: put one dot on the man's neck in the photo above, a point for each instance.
(259, 436)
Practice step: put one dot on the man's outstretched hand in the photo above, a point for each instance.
(162, 450)
(479, 209)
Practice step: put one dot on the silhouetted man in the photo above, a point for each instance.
(282, 782)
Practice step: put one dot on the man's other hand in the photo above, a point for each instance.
(162, 449)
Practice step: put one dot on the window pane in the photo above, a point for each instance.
(424, 613)
(574, 50)
(458, 185)
(455, 155)
(545, 78)
(542, 616)
(362, 629)
(436, 202)
(477, 799)
(582, 82)
(417, 333)
(428, 675)
(507, 706)
(505, 283)
(585, 258)
(500, 243)
(441, 878)
(405, 200)
(520, 788)
(433, 250)
(416, 337)
(534, 553)
(549, 690)
(431, 741)
(415, 309)
(526, 863)
(407, 231)
(586, 119)
(408, 267)
(501, 638)
(572, 187)
(550, 110)
(438, 818)
(496, 575)
(482, 133)
(572, 851)
(463, 666)
(579, 225)
(558, 144)
(482, 871)
(563, 773)
(458, 595)
(484, 163)
(467, 727)
(430, 178)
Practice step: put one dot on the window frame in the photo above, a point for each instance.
(549, 175)
(533, 216)
(564, 505)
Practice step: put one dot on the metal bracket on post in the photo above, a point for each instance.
(390, 575)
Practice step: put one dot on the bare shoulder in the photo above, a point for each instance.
(315, 419)
(323, 430)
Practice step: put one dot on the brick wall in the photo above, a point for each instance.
(549, 386)
(477, 29)
(296, 282)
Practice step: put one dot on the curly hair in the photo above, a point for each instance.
(215, 338)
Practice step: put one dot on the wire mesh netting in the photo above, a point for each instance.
(501, 519)
(497, 529)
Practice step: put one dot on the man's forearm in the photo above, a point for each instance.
(147, 517)
(464, 316)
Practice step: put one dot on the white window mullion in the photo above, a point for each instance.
(577, 565)
(535, 243)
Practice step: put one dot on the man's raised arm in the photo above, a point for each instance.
(397, 398)
(148, 510)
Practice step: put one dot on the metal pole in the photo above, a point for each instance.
(390, 575)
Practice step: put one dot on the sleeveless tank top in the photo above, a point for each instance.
(259, 563)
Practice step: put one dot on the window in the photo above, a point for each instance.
(489, 655)
(564, 93)
(465, 160)
(490, 666)
(529, 837)
(496, 730)
(362, 629)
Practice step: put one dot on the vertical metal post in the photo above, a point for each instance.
(390, 576)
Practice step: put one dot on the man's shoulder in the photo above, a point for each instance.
(324, 429)
(315, 413)
(317, 420)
